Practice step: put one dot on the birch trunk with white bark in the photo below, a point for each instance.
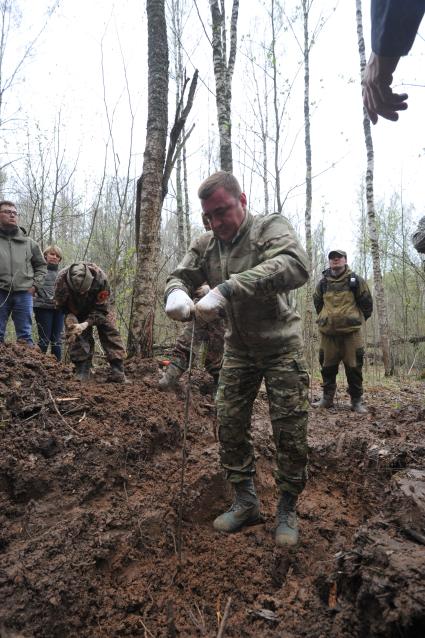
(381, 307)
(223, 73)
(308, 321)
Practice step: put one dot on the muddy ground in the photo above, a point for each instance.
(89, 503)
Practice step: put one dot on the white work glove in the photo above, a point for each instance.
(202, 291)
(211, 307)
(78, 328)
(179, 305)
(75, 330)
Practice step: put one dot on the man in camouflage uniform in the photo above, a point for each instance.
(82, 291)
(418, 237)
(343, 302)
(251, 264)
(207, 335)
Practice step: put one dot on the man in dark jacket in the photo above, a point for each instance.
(343, 302)
(82, 291)
(49, 319)
(394, 27)
(22, 272)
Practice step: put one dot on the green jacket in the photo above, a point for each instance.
(22, 263)
(343, 303)
(263, 263)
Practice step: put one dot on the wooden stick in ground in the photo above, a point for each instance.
(184, 454)
(224, 619)
(58, 412)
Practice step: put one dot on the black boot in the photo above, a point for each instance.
(287, 526)
(82, 370)
(327, 400)
(358, 406)
(245, 509)
(170, 378)
(116, 374)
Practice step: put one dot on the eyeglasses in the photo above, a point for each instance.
(11, 213)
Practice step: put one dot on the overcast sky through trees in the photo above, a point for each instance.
(64, 73)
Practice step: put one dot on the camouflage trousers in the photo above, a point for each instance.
(208, 342)
(286, 380)
(82, 349)
(349, 349)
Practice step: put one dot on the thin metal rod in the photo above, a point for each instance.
(224, 619)
(184, 451)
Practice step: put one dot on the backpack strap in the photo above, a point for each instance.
(353, 283)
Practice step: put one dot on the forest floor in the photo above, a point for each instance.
(89, 502)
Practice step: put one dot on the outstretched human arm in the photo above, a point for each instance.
(394, 27)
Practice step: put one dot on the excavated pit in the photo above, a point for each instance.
(89, 506)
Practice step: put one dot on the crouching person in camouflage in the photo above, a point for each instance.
(251, 264)
(82, 291)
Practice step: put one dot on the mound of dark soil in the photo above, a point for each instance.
(90, 494)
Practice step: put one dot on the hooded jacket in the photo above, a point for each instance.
(263, 263)
(22, 264)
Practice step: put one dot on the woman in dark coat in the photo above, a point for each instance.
(49, 319)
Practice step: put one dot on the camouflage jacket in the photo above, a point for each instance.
(93, 306)
(343, 303)
(418, 237)
(263, 263)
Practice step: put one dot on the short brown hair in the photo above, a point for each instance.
(53, 249)
(221, 179)
(6, 202)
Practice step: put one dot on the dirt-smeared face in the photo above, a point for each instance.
(8, 216)
(224, 212)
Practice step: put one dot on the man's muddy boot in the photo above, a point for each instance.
(82, 370)
(358, 406)
(327, 401)
(287, 526)
(116, 373)
(170, 378)
(245, 509)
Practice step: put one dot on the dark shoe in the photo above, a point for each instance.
(358, 406)
(287, 527)
(82, 370)
(116, 373)
(325, 402)
(170, 378)
(245, 509)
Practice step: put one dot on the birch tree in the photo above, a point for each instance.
(223, 72)
(372, 223)
(308, 321)
(176, 11)
(11, 63)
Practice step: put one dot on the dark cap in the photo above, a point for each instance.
(337, 253)
(79, 277)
